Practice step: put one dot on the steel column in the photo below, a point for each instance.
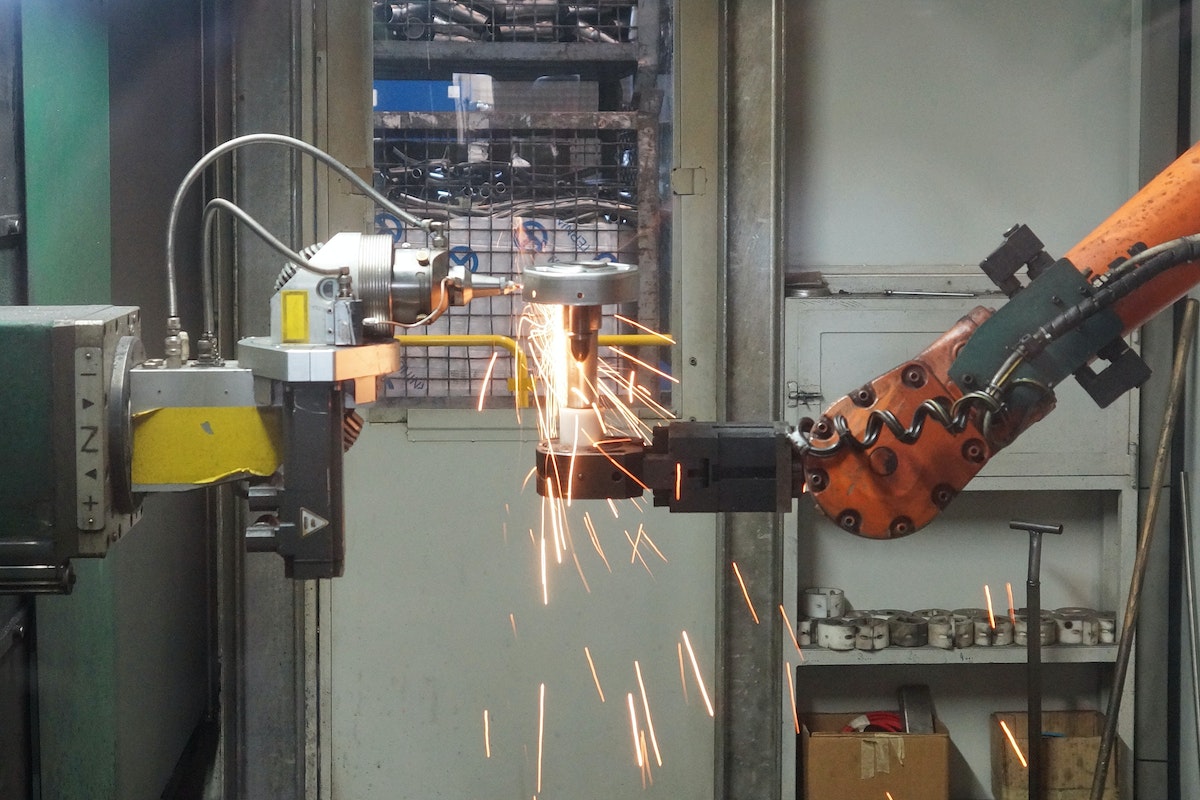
(752, 674)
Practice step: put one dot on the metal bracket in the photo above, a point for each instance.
(1021, 248)
(1126, 370)
(11, 225)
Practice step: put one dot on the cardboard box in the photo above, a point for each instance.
(863, 766)
(1068, 757)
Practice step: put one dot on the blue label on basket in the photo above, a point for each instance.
(390, 224)
(463, 256)
(535, 235)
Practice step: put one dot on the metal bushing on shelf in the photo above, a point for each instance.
(987, 635)
(804, 631)
(941, 631)
(872, 634)
(1048, 627)
(580, 283)
(1107, 621)
(964, 630)
(908, 630)
(1077, 625)
(822, 602)
(838, 633)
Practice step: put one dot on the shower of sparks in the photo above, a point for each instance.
(787, 623)
(512, 620)
(682, 675)
(637, 750)
(487, 735)
(792, 695)
(666, 339)
(487, 378)
(888, 795)
(699, 678)
(1012, 611)
(591, 529)
(575, 558)
(1012, 740)
(541, 732)
(987, 594)
(646, 706)
(637, 540)
(613, 506)
(647, 775)
(528, 476)
(643, 364)
(745, 593)
(645, 535)
(678, 479)
(631, 385)
(588, 653)
(637, 554)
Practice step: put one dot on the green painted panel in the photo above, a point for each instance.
(65, 80)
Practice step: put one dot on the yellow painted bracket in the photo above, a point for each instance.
(198, 446)
(522, 384)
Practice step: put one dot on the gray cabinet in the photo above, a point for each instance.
(1076, 467)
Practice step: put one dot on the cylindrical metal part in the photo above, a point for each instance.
(838, 633)
(822, 602)
(1049, 629)
(804, 631)
(871, 634)
(1077, 625)
(988, 636)
(908, 630)
(582, 326)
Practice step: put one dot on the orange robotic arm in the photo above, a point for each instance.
(884, 460)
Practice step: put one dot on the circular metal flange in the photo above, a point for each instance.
(601, 472)
(580, 283)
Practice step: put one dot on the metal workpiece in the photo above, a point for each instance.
(605, 470)
(295, 363)
(580, 283)
(154, 385)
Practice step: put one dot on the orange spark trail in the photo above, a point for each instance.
(637, 554)
(791, 631)
(643, 328)
(1012, 611)
(792, 694)
(699, 678)
(646, 705)
(646, 773)
(745, 593)
(541, 731)
(1012, 740)
(487, 736)
(613, 506)
(591, 529)
(641, 762)
(528, 475)
(632, 379)
(682, 676)
(513, 621)
(587, 653)
(889, 796)
(643, 534)
(678, 479)
(487, 376)
(987, 593)
(571, 466)
(641, 363)
(636, 542)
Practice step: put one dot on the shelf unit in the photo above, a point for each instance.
(1077, 467)
(574, 153)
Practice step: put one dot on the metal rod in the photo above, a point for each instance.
(1146, 536)
(1185, 506)
(1033, 650)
